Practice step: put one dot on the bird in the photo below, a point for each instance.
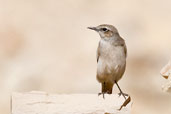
(111, 58)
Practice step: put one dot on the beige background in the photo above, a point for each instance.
(45, 45)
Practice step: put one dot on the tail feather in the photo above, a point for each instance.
(107, 87)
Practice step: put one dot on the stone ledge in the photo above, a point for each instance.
(43, 103)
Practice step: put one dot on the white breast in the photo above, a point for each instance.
(111, 56)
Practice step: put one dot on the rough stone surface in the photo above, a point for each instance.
(43, 103)
(166, 73)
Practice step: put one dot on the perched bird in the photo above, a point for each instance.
(111, 58)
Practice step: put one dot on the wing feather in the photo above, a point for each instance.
(98, 53)
(125, 50)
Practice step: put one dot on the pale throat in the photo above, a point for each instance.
(110, 39)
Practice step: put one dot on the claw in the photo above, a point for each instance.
(102, 94)
(125, 94)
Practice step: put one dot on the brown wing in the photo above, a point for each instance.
(125, 50)
(122, 43)
(98, 53)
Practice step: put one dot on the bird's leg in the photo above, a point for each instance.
(127, 101)
(102, 94)
(103, 88)
(121, 93)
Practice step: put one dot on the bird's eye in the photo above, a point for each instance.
(104, 29)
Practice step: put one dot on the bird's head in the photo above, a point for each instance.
(105, 30)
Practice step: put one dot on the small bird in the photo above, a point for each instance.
(111, 58)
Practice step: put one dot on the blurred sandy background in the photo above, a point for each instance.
(45, 45)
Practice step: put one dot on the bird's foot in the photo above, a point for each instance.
(102, 94)
(123, 94)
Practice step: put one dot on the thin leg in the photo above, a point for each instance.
(102, 94)
(103, 88)
(120, 90)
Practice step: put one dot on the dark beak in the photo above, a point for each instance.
(93, 28)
